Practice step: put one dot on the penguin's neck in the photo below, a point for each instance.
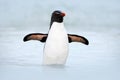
(57, 32)
(57, 26)
(52, 22)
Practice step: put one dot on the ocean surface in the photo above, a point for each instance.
(97, 20)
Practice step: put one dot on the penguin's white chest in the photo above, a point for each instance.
(56, 47)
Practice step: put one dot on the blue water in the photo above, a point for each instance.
(98, 21)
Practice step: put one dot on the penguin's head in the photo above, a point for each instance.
(57, 16)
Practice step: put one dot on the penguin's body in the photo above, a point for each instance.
(56, 46)
(57, 39)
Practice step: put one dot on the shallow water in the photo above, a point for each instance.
(98, 21)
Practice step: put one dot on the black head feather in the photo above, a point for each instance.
(57, 16)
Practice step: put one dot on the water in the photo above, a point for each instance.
(98, 21)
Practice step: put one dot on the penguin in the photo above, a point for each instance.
(56, 40)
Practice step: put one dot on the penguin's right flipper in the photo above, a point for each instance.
(36, 36)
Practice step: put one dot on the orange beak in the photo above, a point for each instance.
(63, 14)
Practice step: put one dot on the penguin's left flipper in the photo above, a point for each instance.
(77, 38)
(36, 36)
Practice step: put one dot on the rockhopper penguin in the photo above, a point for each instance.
(56, 41)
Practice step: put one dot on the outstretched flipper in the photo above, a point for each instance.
(36, 36)
(42, 37)
(77, 38)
